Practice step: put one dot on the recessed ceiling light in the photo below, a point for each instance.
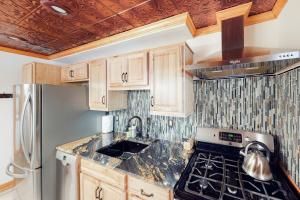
(59, 10)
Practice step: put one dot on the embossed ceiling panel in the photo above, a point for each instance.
(44, 31)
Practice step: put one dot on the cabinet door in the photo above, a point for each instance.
(137, 69)
(80, 72)
(166, 80)
(109, 192)
(28, 73)
(66, 74)
(89, 187)
(115, 71)
(97, 84)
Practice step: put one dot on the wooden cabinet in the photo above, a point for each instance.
(89, 187)
(106, 183)
(139, 189)
(99, 97)
(109, 192)
(136, 73)
(99, 182)
(116, 68)
(171, 88)
(41, 73)
(93, 189)
(75, 73)
(128, 72)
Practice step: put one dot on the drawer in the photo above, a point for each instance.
(104, 174)
(139, 189)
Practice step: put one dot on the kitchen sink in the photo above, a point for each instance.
(123, 149)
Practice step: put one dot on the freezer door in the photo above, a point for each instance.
(27, 126)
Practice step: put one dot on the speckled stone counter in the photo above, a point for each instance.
(161, 163)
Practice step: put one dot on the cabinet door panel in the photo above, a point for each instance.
(89, 187)
(166, 75)
(80, 71)
(115, 71)
(65, 74)
(97, 84)
(109, 192)
(28, 73)
(137, 69)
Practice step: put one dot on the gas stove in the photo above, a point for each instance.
(215, 170)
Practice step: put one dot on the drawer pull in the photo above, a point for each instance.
(145, 194)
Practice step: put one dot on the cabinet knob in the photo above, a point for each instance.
(152, 101)
(146, 194)
(103, 100)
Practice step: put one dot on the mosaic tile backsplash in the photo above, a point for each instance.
(263, 104)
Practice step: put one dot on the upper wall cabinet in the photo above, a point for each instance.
(75, 73)
(41, 73)
(171, 88)
(99, 97)
(128, 72)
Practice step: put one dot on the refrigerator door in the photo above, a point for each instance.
(66, 117)
(27, 120)
(29, 188)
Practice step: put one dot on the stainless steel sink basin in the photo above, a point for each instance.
(123, 149)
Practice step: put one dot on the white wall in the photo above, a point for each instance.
(283, 32)
(10, 74)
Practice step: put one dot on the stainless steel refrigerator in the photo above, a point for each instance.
(46, 116)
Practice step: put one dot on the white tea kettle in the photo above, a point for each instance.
(256, 164)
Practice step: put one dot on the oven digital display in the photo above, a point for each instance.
(231, 137)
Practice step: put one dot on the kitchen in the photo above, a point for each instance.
(185, 122)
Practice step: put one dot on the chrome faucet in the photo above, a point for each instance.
(139, 125)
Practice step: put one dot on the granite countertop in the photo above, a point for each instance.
(161, 163)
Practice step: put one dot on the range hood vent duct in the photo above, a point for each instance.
(236, 60)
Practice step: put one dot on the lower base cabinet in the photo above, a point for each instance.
(103, 183)
(142, 190)
(93, 189)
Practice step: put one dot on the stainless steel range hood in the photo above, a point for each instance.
(235, 60)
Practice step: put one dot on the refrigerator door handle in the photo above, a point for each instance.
(26, 154)
(16, 175)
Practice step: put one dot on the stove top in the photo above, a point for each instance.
(215, 172)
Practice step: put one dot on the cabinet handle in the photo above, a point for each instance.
(103, 100)
(98, 193)
(152, 101)
(122, 77)
(101, 195)
(126, 77)
(145, 194)
(71, 73)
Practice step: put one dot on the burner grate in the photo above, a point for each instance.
(215, 177)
